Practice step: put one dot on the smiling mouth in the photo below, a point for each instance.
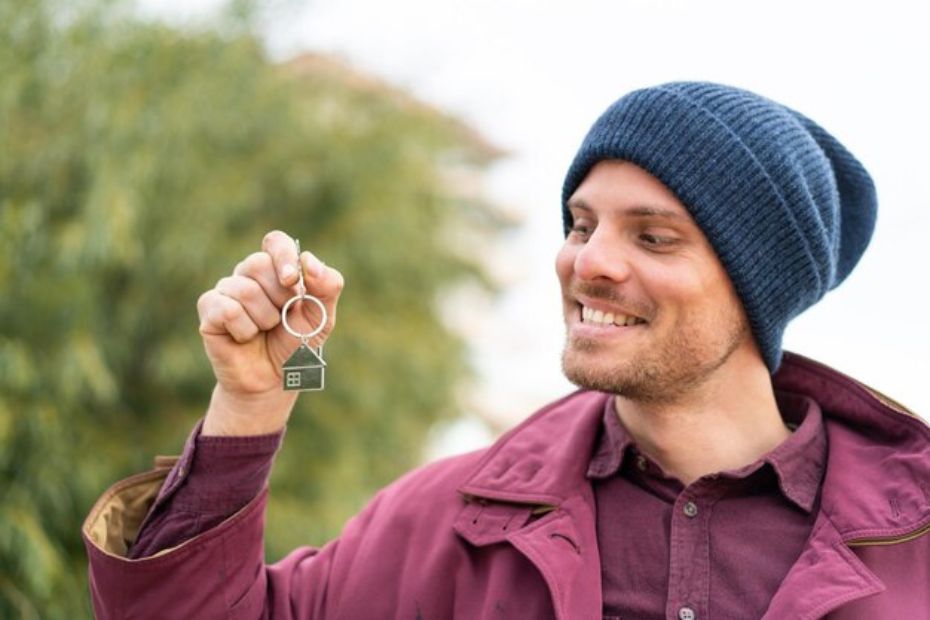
(590, 316)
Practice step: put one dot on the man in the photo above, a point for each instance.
(698, 473)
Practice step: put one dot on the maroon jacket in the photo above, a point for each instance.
(509, 532)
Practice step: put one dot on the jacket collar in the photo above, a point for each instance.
(825, 576)
(878, 464)
(539, 467)
(542, 461)
(877, 470)
(875, 488)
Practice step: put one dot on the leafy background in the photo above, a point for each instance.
(138, 163)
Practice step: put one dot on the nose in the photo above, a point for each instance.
(603, 256)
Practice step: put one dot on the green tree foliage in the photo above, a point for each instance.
(139, 163)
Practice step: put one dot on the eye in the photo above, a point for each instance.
(581, 228)
(650, 239)
(654, 240)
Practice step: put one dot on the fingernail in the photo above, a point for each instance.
(287, 272)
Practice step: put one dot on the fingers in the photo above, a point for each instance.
(321, 280)
(313, 267)
(260, 268)
(250, 300)
(283, 252)
(220, 315)
(326, 284)
(250, 294)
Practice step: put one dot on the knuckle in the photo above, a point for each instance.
(253, 265)
(255, 262)
(229, 312)
(241, 334)
(213, 317)
(273, 237)
(204, 300)
(269, 322)
(248, 290)
(254, 294)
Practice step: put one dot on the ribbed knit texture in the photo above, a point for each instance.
(788, 210)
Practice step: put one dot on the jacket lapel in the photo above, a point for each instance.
(874, 488)
(531, 491)
(563, 546)
(825, 576)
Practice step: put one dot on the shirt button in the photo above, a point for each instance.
(686, 613)
(641, 463)
(690, 509)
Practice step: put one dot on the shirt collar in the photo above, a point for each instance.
(611, 445)
(798, 462)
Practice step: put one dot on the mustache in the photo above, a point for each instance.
(609, 294)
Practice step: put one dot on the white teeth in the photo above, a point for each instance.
(590, 315)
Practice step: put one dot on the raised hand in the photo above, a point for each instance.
(245, 341)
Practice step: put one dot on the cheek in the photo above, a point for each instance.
(676, 293)
(700, 296)
(565, 263)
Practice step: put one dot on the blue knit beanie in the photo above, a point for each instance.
(786, 207)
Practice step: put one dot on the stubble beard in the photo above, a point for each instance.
(664, 372)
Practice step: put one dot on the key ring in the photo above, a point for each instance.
(302, 295)
(304, 338)
(305, 369)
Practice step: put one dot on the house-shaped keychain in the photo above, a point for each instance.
(304, 370)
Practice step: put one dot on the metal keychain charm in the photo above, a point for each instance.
(305, 370)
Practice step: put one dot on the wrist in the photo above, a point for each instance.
(232, 414)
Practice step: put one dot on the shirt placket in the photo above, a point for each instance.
(689, 553)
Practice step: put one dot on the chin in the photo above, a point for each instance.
(585, 372)
(654, 374)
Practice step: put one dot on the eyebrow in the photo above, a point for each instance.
(637, 211)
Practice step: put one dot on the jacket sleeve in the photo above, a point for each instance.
(219, 573)
(385, 560)
(215, 478)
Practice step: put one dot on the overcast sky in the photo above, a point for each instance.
(532, 76)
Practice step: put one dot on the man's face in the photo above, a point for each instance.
(649, 310)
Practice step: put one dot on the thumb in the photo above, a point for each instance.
(321, 280)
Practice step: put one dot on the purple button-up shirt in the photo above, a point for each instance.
(225, 474)
(717, 548)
